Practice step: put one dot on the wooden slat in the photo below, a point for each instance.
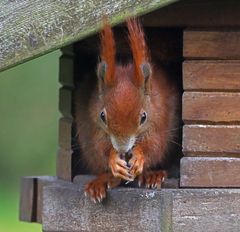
(64, 164)
(200, 44)
(210, 107)
(206, 139)
(211, 75)
(31, 197)
(66, 102)
(30, 28)
(65, 133)
(65, 208)
(66, 67)
(28, 199)
(206, 210)
(210, 172)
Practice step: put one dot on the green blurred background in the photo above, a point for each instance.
(28, 132)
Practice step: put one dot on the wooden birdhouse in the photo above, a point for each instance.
(200, 42)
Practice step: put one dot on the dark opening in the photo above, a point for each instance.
(165, 45)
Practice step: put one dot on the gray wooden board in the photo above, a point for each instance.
(30, 28)
(65, 208)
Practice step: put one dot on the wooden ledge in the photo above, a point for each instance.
(65, 208)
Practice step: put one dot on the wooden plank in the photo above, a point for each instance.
(196, 13)
(66, 102)
(206, 210)
(65, 133)
(28, 199)
(211, 107)
(212, 44)
(211, 75)
(31, 197)
(65, 208)
(210, 172)
(66, 67)
(30, 28)
(64, 164)
(211, 139)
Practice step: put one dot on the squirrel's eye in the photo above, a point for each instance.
(143, 117)
(103, 117)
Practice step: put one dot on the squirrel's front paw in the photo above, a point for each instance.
(119, 167)
(136, 162)
(97, 188)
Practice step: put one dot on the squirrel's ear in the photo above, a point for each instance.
(146, 70)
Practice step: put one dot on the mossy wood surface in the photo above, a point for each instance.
(30, 28)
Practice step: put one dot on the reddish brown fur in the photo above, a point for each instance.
(107, 51)
(139, 48)
(124, 102)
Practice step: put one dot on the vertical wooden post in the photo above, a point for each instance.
(66, 78)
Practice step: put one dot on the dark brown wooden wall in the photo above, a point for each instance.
(211, 108)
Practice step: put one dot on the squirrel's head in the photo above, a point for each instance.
(124, 91)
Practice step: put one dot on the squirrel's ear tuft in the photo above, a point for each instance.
(102, 70)
(146, 70)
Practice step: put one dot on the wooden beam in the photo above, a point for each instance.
(65, 208)
(211, 44)
(211, 140)
(210, 172)
(31, 197)
(211, 108)
(31, 27)
(211, 75)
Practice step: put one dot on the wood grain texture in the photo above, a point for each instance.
(206, 210)
(66, 102)
(65, 133)
(66, 67)
(65, 208)
(210, 172)
(64, 164)
(28, 199)
(211, 75)
(31, 28)
(211, 44)
(211, 108)
(31, 197)
(211, 139)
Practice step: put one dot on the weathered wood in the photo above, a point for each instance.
(206, 210)
(28, 199)
(210, 107)
(65, 208)
(66, 68)
(212, 140)
(196, 13)
(66, 102)
(64, 164)
(211, 75)
(210, 172)
(30, 28)
(65, 133)
(31, 197)
(212, 44)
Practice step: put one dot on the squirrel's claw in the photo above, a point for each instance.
(152, 179)
(136, 162)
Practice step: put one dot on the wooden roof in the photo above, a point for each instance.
(30, 28)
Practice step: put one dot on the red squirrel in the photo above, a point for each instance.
(130, 113)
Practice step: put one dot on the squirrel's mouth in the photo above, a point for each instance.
(123, 145)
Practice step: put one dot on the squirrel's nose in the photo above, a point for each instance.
(123, 145)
